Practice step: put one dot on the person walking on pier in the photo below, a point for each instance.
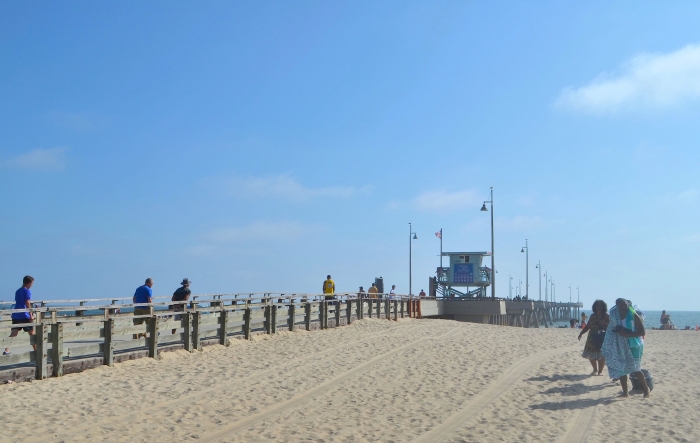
(181, 294)
(329, 288)
(392, 293)
(422, 293)
(23, 297)
(623, 346)
(373, 291)
(143, 294)
(596, 326)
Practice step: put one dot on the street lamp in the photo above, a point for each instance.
(540, 284)
(510, 286)
(527, 270)
(569, 293)
(578, 295)
(546, 285)
(493, 265)
(410, 257)
(520, 288)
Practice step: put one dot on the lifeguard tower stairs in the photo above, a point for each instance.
(466, 272)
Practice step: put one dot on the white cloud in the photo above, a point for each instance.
(260, 231)
(448, 201)
(520, 223)
(284, 186)
(647, 81)
(38, 160)
(688, 196)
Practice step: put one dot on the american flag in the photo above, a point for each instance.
(438, 234)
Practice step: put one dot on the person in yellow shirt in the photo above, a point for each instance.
(373, 291)
(329, 288)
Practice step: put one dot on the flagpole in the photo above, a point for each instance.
(441, 247)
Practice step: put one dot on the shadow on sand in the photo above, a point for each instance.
(575, 389)
(574, 404)
(559, 377)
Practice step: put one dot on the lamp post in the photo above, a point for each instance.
(578, 295)
(569, 293)
(520, 288)
(493, 263)
(527, 270)
(538, 266)
(510, 286)
(410, 253)
(546, 298)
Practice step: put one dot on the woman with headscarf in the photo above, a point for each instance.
(598, 321)
(623, 346)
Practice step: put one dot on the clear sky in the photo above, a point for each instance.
(258, 146)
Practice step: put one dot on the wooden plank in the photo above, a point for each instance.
(131, 344)
(79, 351)
(307, 316)
(223, 328)
(196, 331)
(42, 351)
(187, 333)
(57, 349)
(15, 359)
(246, 325)
(152, 328)
(108, 349)
(292, 317)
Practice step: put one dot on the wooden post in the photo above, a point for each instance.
(152, 326)
(359, 309)
(273, 318)
(197, 331)
(387, 309)
(187, 330)
(223, 333)
(348, 311)
(307, 315)
(268, 319)
(108, 348)
(246, 322)
(57, 349)
(325, 314)
(402, 306)
(370, 302)
(42, 341)
(292, 316)
(337, 313)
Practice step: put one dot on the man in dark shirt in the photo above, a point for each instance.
(181, 294)
(23, 298)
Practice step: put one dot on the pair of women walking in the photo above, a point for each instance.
(618, 340)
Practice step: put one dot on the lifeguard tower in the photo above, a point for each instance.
(466, 272)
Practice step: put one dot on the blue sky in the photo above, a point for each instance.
(258, 146)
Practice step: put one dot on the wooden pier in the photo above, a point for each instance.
(68, 340)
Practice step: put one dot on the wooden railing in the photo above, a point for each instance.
(210, 319)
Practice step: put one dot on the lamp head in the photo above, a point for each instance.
(522, 250)
(415, 236)
(483, 208)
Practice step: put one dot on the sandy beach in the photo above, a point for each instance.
(373, 381)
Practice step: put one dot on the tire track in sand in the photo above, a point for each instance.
(480, 401)
(318, 389)
(367, 339)
(577, 428)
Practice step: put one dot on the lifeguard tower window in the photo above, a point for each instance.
(464, 259)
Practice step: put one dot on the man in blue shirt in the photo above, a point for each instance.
(23, 298)
(143, 294)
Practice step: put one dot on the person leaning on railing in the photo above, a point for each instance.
(181, 294)
(373, 291)
(143, 294)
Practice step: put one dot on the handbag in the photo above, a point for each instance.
(598, 339)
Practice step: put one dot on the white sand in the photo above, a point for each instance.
(373, 381)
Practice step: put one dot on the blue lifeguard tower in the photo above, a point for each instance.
(466, 272)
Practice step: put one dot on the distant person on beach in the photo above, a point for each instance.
(422, 293)
(181, 294)
(143, 294)
(373, 291)
(361, 293)
(329, 288)
(665, 321)
(23, 298)
(583, 320)
(596, 326)
(392, 293)
(623, 347)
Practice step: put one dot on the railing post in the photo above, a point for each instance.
(197, 331)
(108, 347)
(57, 349)
(223, 333)
(387, 309)
(348, 311)
(402, 306)
(268, 319)
(273, 318)
(396, 310)
(324, 314)
(337, 313)
(41, 353)
(307, 315)
(359, 308)
(246, 322)
(370, 302)
(187, 330)
(292, 316)
(153, 337)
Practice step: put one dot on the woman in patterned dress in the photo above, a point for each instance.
(596, 322)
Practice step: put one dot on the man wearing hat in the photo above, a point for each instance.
(181, 294)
